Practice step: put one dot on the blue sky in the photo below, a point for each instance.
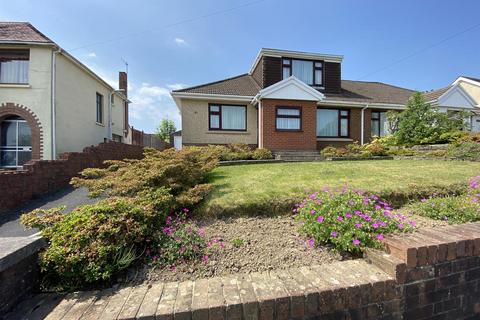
(170, 44)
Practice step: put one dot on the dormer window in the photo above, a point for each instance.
(310, 72)
(14, 66)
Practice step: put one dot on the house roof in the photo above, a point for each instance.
(435, 94)
(21, 32)
(354, 91)
(471, 78)
(242, 85)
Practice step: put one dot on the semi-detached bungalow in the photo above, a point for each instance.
(293, 100)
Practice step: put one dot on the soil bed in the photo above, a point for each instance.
(245, 245)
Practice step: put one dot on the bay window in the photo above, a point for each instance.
(14, 66)
(310, 72)
(379, 124)
(227, 117)
(333, 123)
(288, 119)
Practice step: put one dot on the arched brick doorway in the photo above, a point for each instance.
(17, 118)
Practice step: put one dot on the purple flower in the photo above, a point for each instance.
(339, 218)
(387, 213)
(356, 242)
(311, 243)
(320, 219)
(312, 212)
(333, 234)
(348, 215)
(205, 259)
(358, 213)
(378, 207)
(319, 201)
(400, 226)
(375, 225)
(380, 237)
(358, 225)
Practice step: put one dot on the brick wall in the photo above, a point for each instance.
(305, 139)
(39, 177)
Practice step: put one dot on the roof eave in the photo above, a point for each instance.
(208, 96)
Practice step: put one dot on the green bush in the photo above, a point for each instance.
(465, 150)
(453, 136)
(93, 242)
(355, 150)
(455, 210)
(262, 154)
(349, 220)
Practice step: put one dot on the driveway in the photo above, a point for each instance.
(10, 221)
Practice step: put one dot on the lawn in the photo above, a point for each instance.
(268, 189)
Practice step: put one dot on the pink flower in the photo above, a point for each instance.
(205, 259)
(312, 211)
(379, 236)
(375, 225)
(356, 242)
(348, 215)
(311, 243)
(185, 210)
(320, 219)
(333, 234)
(319, 201)
(358, 225)
(378, 207)
(201, 232)
(400, 226)
(339, 218)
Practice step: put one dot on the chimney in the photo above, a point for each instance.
(122, 82)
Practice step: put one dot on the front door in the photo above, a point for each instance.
(15, 142)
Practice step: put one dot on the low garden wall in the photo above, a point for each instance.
(430, 274)
(39, 177)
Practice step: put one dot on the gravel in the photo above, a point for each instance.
(249, 245)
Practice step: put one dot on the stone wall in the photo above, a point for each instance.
(40, 177)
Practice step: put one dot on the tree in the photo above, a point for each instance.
(165, 129)
(423, 123)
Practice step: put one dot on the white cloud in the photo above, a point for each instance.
(176, 86)
(180, 42)
(92, 55)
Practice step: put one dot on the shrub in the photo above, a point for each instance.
(453, 136)
(465, 150)
(179, 171)
(455, 210)
(349, 220)
(375, 148)
(262, 154)
(329, 152)
(93, 242)
(180, 240)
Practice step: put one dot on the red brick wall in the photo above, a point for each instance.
(306, 139)
(39, 177)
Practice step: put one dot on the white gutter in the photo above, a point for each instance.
(109, 130)
(186, 95)
(362, 125)
(53, 106)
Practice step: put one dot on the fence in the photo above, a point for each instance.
(140, 138)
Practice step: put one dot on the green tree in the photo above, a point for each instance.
(165, 129)
(423, 123)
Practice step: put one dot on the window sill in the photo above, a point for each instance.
(287, 130)
(227, 132)
(15, 85)
(99, 124)
(335, 139)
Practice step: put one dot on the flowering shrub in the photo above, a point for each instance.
(461, 209)
(355, 150)
(348, 219)
(180, 240)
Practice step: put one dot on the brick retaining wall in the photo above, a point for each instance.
(39, 177)
(431, 274)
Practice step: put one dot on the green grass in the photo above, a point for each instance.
(267, 189)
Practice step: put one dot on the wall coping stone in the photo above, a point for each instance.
(15, 249)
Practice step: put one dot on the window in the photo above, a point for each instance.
(333, 123)
(289, 118)
(227, 117)
(310, 72)
(14, 66)
(99, 108)
(379, 124)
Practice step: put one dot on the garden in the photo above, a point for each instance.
(177, 215)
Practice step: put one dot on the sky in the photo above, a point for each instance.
(419, 45)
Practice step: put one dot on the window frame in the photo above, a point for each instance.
(377, 120)
(102, 113)
(314, 68)
(340, 117)
(219, 113)
(283, 116)
(27, 53)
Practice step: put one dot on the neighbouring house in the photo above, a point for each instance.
(293, 100)
(51, 103)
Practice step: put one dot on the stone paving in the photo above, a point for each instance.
(281, 294)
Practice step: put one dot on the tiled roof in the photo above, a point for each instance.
(371, 92)
(242, 85)
(435, 94)
(355, 91)
(21, 32)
